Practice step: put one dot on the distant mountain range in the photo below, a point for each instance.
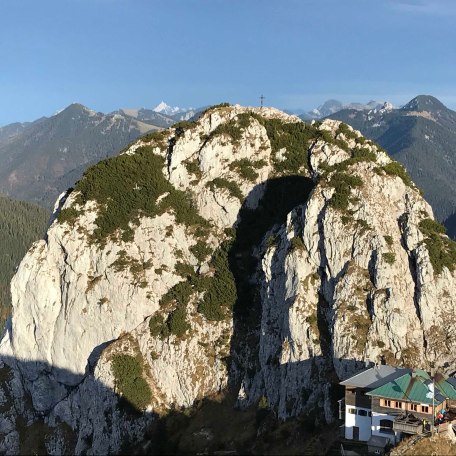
(422, 136)
(162, 115)
(41, 159)
(175, 112)
(332, 106)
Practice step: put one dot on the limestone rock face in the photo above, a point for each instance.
(351, 286)
(331, 262)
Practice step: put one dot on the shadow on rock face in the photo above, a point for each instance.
(280, 196)
(93, 419)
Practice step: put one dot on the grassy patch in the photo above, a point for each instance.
(158, 327)
(177, 321)
(183, 125)
(218, 295)
(137, 268)
(158, 138)
(233, 129)
(361, 324)
(184, 270)
(178, 294)
(312, 320)
(297, 244)
(216, 106)
(429, 226)
(91, 282)
(346, 131)
(357, 155)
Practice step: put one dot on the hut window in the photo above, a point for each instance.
(386, 427)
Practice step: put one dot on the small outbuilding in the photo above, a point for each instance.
(377, 445)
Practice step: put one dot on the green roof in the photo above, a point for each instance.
(416, 387)
(448, 389)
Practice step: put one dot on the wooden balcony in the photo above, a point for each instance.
(408, 424)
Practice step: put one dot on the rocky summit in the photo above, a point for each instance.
(247, 252)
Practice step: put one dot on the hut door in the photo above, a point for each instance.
(355, 433)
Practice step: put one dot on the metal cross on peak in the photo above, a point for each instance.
(261, 101)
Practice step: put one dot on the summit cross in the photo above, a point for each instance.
(261, 101)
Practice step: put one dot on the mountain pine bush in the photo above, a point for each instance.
(127, 371)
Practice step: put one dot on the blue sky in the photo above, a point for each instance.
(108, 54)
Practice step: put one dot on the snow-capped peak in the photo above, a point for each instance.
(387, 106)
(164, 108)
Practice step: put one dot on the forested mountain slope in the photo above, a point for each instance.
(21, 224)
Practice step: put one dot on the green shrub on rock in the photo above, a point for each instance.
(158, 327)
(220, 290)
(389, 257)
(343, 183)
(177, 322)
(388, 239)
(232, 187)
(441, 249)
(346, 131)
(68, 215)
(295, 138)
(201, 250)
(120, 206)
(396, 169)
(246, 168)
(127, 371)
